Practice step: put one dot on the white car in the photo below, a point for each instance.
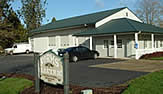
(19, 48)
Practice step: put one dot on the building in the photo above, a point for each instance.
(117, 33)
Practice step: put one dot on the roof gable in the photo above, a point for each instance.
(125, 13)
(78, 20)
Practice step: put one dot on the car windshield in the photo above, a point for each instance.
(60, 50)
(14, 46)
(68, 50)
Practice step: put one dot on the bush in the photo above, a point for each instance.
(148, 56)
(1, 50)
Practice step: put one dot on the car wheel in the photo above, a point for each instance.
(27, 51)
(75, 59)
(11, 53)
(95, 56)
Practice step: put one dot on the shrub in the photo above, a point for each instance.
(155, 54)
(1, 50)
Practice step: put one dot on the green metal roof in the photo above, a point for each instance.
(77, 21)
(122, 25)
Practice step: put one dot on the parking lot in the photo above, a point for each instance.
(81, 73)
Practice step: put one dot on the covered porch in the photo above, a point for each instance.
(148, 43)
(126, 45)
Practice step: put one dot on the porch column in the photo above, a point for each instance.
(152, 37)
(136, 45)
(90, 42)
(115, 46)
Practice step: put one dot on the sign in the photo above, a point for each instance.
(136, 45)
(51, 68)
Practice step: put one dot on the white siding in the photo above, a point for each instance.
(52, 41)
(120, 14)
(100, 47)
(31, 42)
(84, 41)
(41, 44)
(58, 41)
(65, 41)
(62, 39)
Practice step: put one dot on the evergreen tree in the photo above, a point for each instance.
(53, 20)
(11, 29)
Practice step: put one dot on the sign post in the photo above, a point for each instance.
(66, 73)
(37, 80)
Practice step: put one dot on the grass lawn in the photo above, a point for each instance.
(148, 84)
(14, 85)
(157, 58)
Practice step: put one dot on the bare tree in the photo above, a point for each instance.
(33, 12)
(150, 11)
(161, 24)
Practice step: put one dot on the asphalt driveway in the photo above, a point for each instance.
(80, 73)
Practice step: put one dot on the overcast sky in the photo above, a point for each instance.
(61, 9)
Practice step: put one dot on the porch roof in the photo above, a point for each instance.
(122, 25)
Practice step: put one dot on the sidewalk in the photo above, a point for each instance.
(134, 65)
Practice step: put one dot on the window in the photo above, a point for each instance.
(52, 41)
(85, 49)
(15, 46)
(157, 44)
(145, 44)
(127, 14)
(65, 41)
(76, 50)
(119, 44)
(105, 43)
(112, 44)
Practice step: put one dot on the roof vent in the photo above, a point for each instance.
(127, 14)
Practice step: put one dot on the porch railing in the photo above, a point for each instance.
(148, 51)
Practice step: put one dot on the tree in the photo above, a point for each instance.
(5, 8)
(11, 29)
(161, 24)
(32, 12)
(5, 35)
(150, 11)
(53, 20)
